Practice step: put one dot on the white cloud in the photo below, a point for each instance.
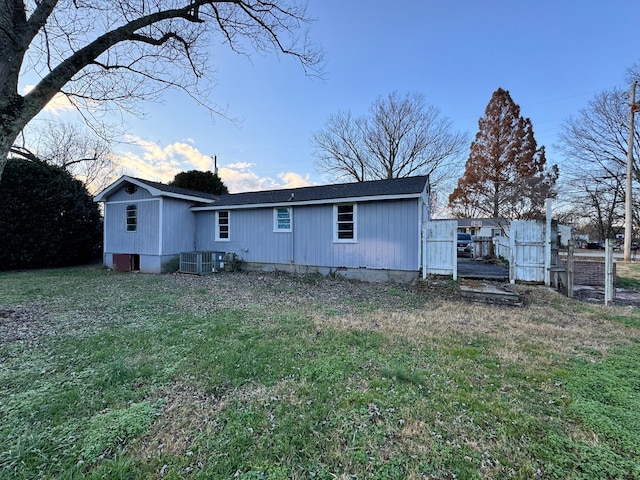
(294, 180)
(151, 161)
(58, 104)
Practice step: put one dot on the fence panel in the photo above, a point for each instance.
(527, 261)
(439, 248)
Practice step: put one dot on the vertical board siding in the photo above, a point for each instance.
(251, 236)
(121, 196)
(178, 227)
(387, 236)
(144, 240)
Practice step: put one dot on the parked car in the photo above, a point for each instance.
(465, 244)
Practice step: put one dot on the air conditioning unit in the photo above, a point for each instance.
(198, 263)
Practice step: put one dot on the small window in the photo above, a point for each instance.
(222, 225)
(344, 223)
(132, 218)
(282, 219)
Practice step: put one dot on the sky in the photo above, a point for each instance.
(553, 56)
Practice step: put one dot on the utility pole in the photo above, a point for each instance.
(628, 217)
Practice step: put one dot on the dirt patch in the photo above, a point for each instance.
(190, 412)
(595, 295)
(278, 291)
(23, 323)
(187, 412)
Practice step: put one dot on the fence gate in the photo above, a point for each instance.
(527, 262)
(439, 252)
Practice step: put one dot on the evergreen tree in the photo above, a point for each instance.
(505, 175)
(207, 182)
(47, 218)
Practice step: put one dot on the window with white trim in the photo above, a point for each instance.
(131, 218)
(222, 226)
(282, 219)
(344, 223)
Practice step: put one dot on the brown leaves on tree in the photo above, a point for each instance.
(505, 175)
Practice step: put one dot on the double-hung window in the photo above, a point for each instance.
(131, 218)
(282, 219)
(344, 223)
(222, 226)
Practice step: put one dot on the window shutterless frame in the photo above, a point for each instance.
(131, 218)
(345, 220)
(222, 226)
(282, 219)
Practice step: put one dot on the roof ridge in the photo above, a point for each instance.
(165, 187)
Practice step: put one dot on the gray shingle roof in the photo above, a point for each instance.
(392, 187)
(177, 190)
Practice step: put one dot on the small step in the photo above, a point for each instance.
(489, 292)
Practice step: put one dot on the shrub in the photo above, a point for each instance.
(47, 218)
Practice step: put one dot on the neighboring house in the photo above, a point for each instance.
(368, 230)
(483, 227)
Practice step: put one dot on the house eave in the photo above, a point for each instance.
(331, 201)
(155, 192)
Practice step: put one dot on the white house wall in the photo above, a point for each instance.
(387, 236)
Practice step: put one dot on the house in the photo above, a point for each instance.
(146, 224)
(368, 230)
(483, 227)
(499, 227)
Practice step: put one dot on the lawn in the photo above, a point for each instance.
(275, 376)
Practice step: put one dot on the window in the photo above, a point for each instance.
(344, 223)
(282, 219)
(131, 218)
(222, 225)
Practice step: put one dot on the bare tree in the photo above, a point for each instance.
(121, 51)
(594, 144)
(633, 73)
(400, 136)
(73, 147)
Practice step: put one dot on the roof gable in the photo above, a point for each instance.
(156, 189)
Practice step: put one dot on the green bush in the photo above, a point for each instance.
(47, 218)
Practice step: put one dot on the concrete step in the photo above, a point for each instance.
(489, 292)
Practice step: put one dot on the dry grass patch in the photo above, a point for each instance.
(548, 324)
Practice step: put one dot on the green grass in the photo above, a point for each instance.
(141, 376)
(627, 283)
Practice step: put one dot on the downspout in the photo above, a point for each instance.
(423, 216)
(293, 243)
(104, 234)
(160, 227)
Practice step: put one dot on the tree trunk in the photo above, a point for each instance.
(7, 139)
(4, 151)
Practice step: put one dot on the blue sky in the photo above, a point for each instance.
(552, 55)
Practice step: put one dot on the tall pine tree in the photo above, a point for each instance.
(505, 175)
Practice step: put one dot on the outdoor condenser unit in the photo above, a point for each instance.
(201, 263)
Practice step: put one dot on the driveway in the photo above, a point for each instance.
(478, 269)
